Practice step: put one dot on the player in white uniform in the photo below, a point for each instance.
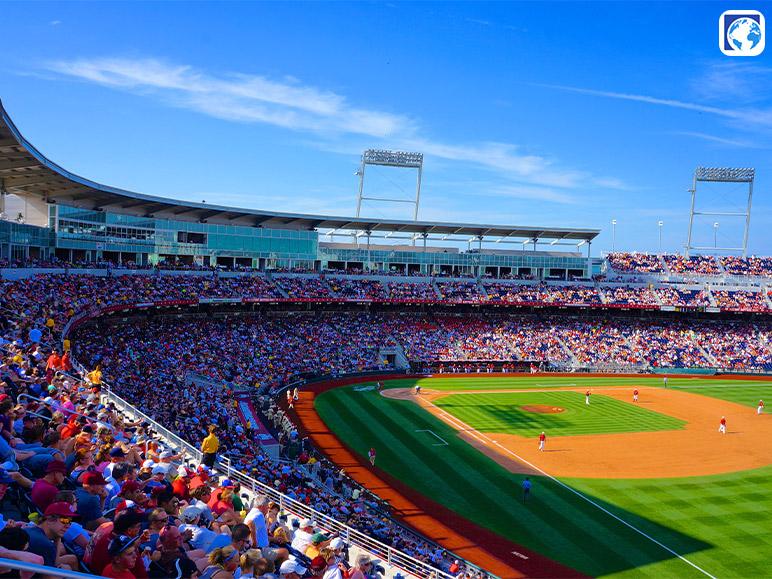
(760, 407)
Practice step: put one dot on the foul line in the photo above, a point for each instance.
(442, 441)
(472, 431)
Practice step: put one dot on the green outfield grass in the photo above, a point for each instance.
(503, 412)
(747, 393)
(720, 523)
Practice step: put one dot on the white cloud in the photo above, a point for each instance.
(733, 81)
(237, 97)
(287, 103)
(752, 117)
(714, 139)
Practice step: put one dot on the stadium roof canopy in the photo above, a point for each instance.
(25, 171)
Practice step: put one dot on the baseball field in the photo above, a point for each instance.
(622, 488)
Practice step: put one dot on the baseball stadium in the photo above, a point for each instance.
(412, 401)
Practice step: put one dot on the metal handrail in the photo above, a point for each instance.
(69, 412)
(42, 569)
(328, 524)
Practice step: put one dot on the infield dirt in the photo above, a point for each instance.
(696, 450)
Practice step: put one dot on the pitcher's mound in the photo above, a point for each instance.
(542, 409)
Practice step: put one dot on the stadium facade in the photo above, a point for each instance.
(49, 211)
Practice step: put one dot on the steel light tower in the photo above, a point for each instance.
(386, 158)
(613, 234)
(721, 175)
(660, 223)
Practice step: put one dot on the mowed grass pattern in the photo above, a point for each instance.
(503, 413)
(720, 523)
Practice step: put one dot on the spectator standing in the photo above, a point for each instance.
(210, 446)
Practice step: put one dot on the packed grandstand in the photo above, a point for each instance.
(128, 335)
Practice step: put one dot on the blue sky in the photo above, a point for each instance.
(557, 114)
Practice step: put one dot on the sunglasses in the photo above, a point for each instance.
(65, 520)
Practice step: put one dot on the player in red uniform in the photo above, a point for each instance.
(587, 398)
(722, 425)
(542, 440)
(760, 407)
(635, 395)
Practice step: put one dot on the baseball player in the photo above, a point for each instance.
(371, 456)
(290, 400)
(417, 389)
(526, 488)
(542, 441)
(587, 398)
(722, 425)
(635, 395)
(664, 381)
(760, 408)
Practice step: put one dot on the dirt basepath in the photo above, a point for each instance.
(697, 450)
(455, 533)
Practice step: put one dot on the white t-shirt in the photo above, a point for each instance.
(301, 540)
(333, 573)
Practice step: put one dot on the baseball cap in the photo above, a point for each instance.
(124, 506)
(318, 538)
(129, 486)
(191, 513)
(227, 483)
(93, 478)
(117, 452)
(337, 543)
(148, 464)
(290, 566)
(60, 509)
(166, 454)
(307, 523)
(158, 469)
(120, 544)
(56, 466)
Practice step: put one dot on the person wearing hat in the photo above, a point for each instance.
(201, 537)
(339, 548)
(91, 499)
(180, 484)
(291, 569)
(44, 490)
(117, 456)
(209, 446)
(128, 523)
(302, 537)
(45, 537)
(318, 542)
(123, 558)
(362, 568)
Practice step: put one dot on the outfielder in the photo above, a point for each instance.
(760, 408)
(722, 425)
(542, 441)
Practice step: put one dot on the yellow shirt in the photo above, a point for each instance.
(95, 377)
(210, 444)
(66, 344)
(312, 551)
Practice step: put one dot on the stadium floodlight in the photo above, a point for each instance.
(721, 175)
(725, 174)
(388, 158)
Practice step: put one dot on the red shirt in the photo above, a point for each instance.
(587, 393)
(54, 362)
(635, 392)
(761, 403)
(542, 437)
(723, 421)
(113, 574)
(180, 489)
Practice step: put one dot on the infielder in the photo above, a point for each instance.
(664, 380)
(371, 456)
(417, 389)
(635, 395)
(722, 425)
(760, 408)
(542, 441)
(587, 398)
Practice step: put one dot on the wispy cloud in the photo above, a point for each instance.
(715, 139)
(329, 116)
(736, 82)
(757, 117)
